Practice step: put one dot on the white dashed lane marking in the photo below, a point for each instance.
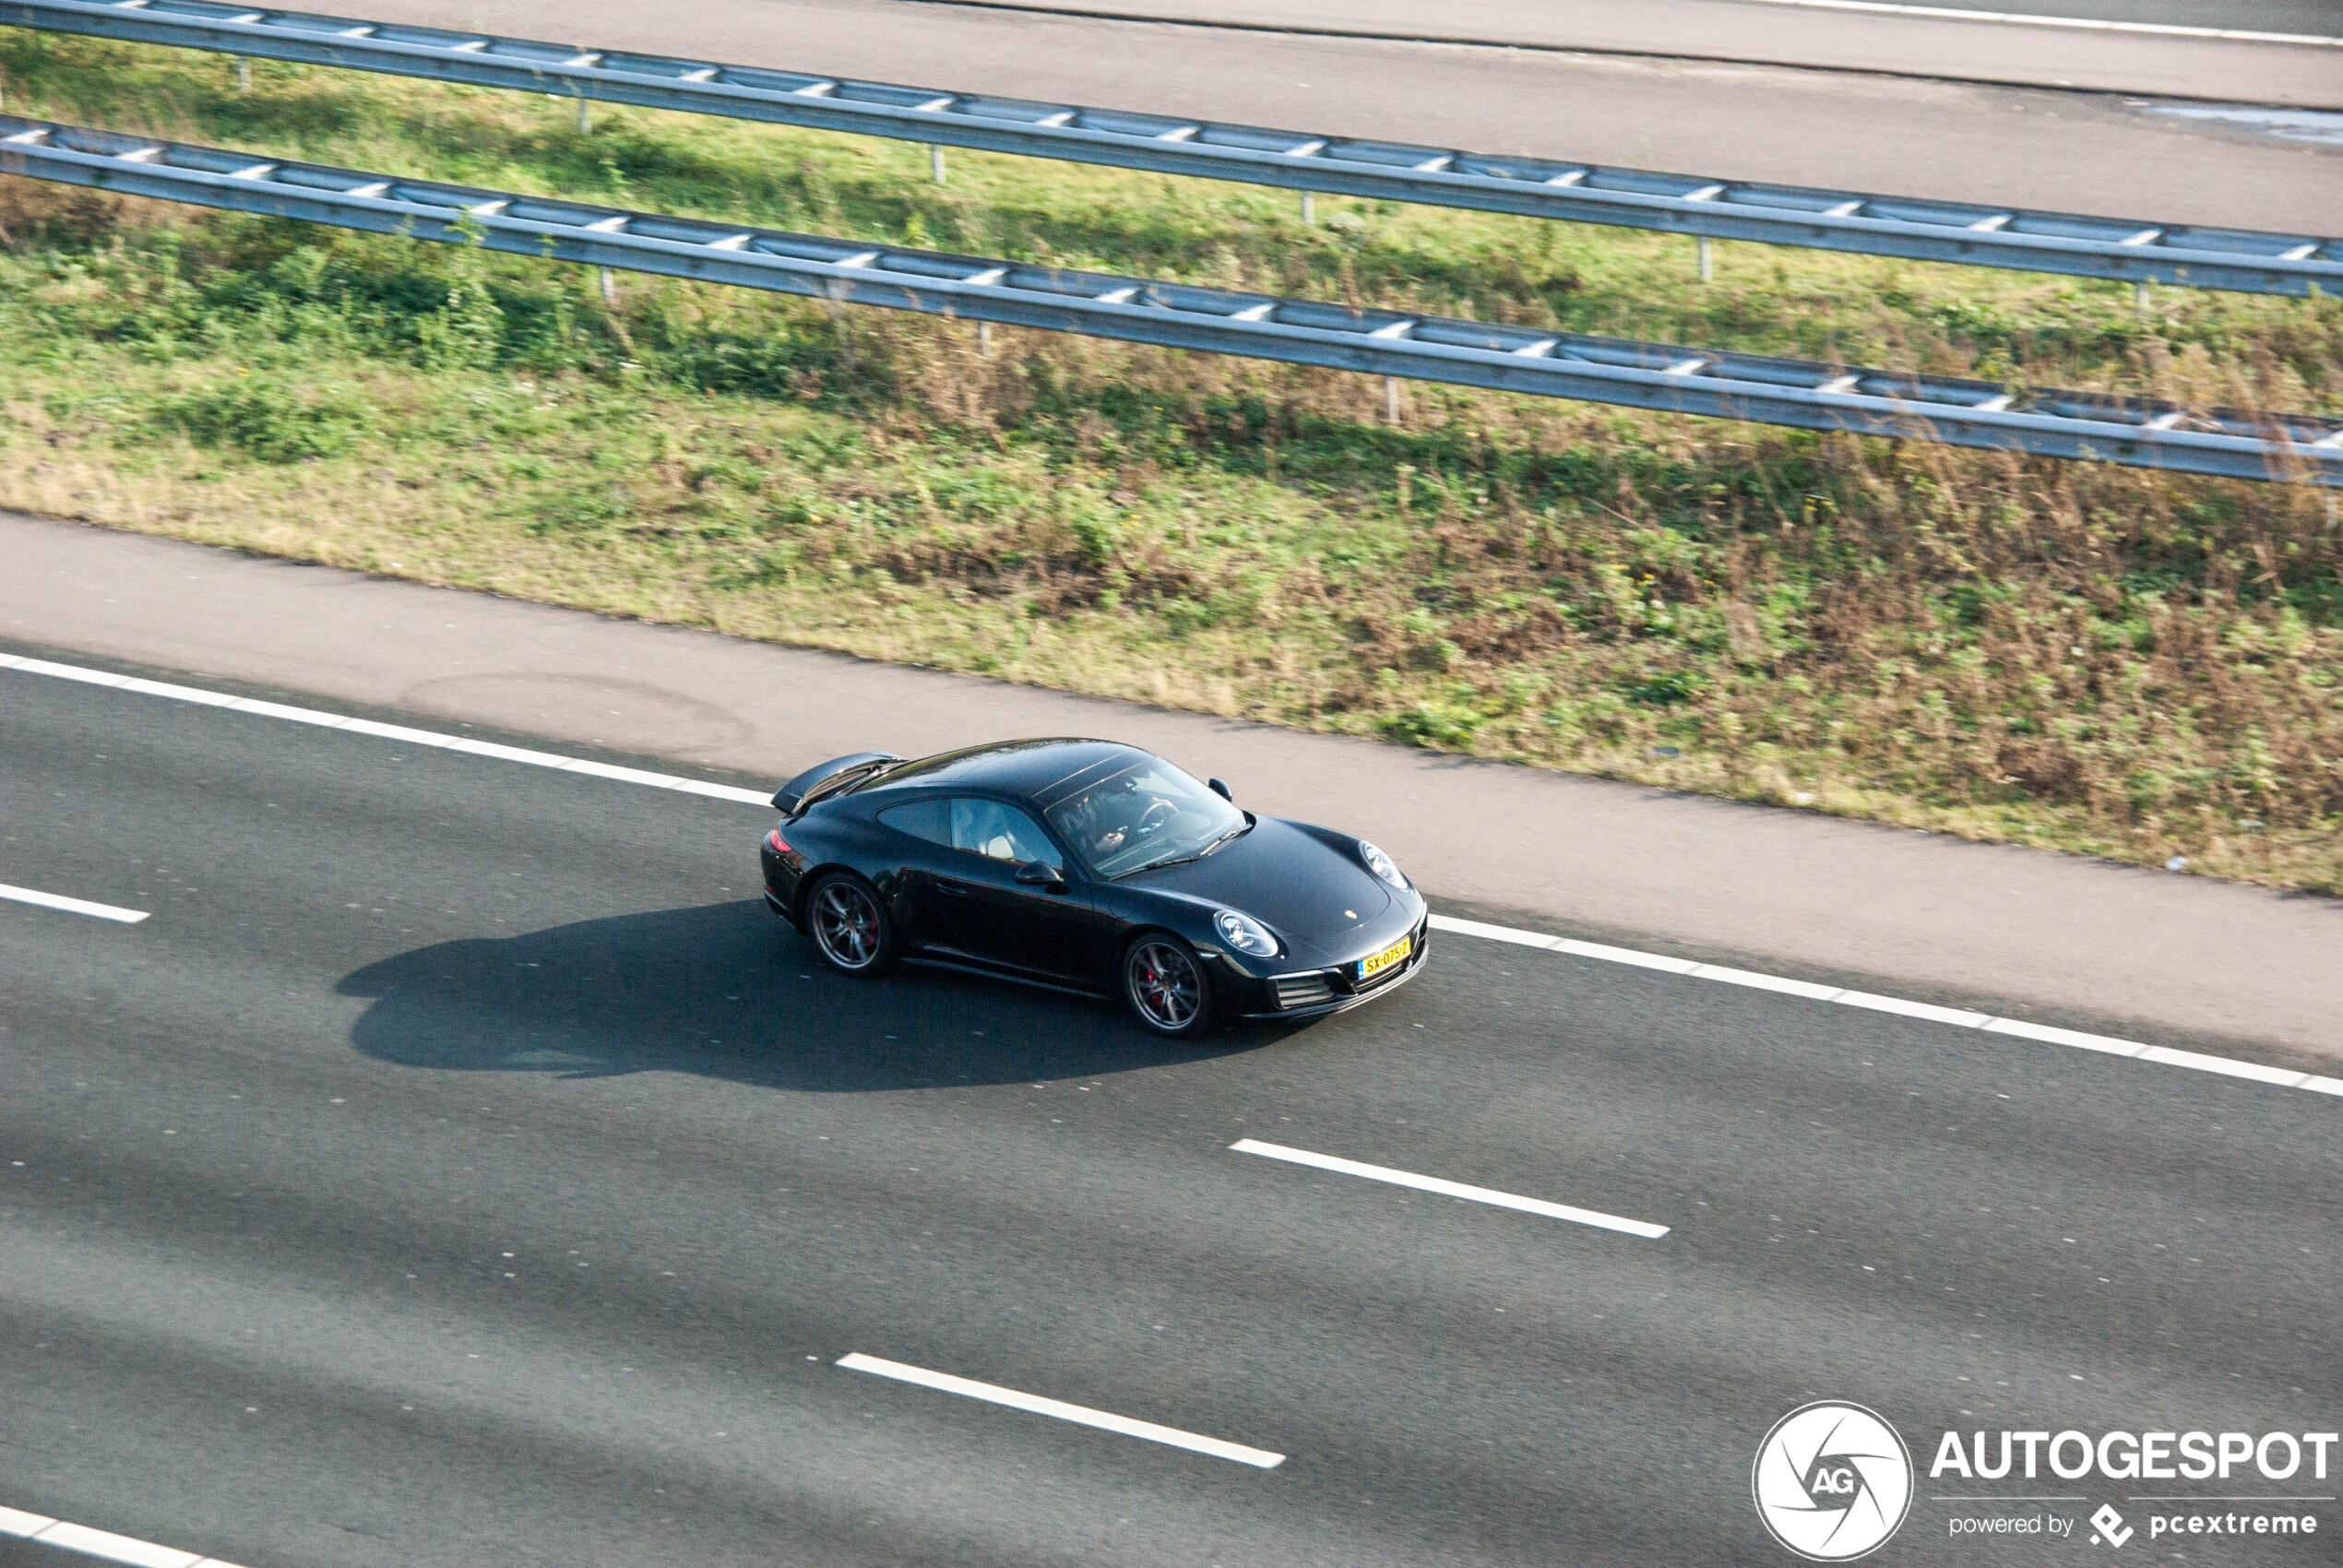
(101, 1543)
(1450, 1189)
(992, 1394)
(71, 906)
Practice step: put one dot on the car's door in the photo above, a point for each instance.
(1037, 927)
(924, 855)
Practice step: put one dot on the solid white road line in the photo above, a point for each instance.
(994, 1394)
(100, 1543)
(71, 906)
(1450, 1189)
(342, 722)
(1960, 1017)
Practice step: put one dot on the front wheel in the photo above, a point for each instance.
(1166, 986)
(849, 922)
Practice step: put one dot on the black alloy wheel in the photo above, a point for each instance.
(847, 921)
(1164, 983)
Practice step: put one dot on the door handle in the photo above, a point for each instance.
(957, 889)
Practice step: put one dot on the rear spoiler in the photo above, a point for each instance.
(820, 779)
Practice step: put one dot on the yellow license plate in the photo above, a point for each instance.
(1395, 954)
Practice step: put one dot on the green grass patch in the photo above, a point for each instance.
(2086, 658)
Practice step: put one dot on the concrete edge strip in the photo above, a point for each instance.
(1960, 1017)
(2083, 24)
(100, 1543)
(1106, 11)
(2228, 1066)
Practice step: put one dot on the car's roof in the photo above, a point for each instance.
(1035, 770)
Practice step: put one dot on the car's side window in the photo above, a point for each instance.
(984, 827)
(997, 832)
(930, 820)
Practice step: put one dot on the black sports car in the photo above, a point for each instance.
(1089, 864)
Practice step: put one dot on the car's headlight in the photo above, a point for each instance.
(1245, 935)
(1380, 864)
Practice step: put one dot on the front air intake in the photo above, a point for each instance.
(1303, 990)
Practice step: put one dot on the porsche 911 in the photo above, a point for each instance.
(1093, 866)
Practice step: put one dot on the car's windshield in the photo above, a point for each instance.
(1146, 814)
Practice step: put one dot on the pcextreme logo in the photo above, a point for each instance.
(1833, 1481)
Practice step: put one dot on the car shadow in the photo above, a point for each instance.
(728, 991)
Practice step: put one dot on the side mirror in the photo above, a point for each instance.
(1221, 788)
(1039, 873)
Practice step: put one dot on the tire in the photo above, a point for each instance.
(849, 926)
(1167, 987)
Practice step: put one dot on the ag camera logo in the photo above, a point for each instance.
(1832, 1481)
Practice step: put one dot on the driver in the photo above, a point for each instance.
(1119, 812)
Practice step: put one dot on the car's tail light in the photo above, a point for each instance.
(775, 842)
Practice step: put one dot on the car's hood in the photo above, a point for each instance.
(1314, 895)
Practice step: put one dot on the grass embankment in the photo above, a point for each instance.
(2073, 656)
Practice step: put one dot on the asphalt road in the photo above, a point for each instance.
(1951, 109)
(460, 1167)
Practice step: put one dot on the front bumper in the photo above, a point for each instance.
(1316, 993)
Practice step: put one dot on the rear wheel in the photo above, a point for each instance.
(1166, 987)
(847, 921)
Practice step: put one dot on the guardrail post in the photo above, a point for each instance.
(2139, 295)
(1391, 400)
(244, 74)
(585, 126)
(935, 163)
(1707, 261)
(984, 339)
(609, 287)
(1309, 211)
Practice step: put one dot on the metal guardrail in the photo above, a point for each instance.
(2122, 249)
(1800, 393)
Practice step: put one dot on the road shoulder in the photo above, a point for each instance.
(2066, 940)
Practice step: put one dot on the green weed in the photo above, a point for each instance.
(266, 419)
